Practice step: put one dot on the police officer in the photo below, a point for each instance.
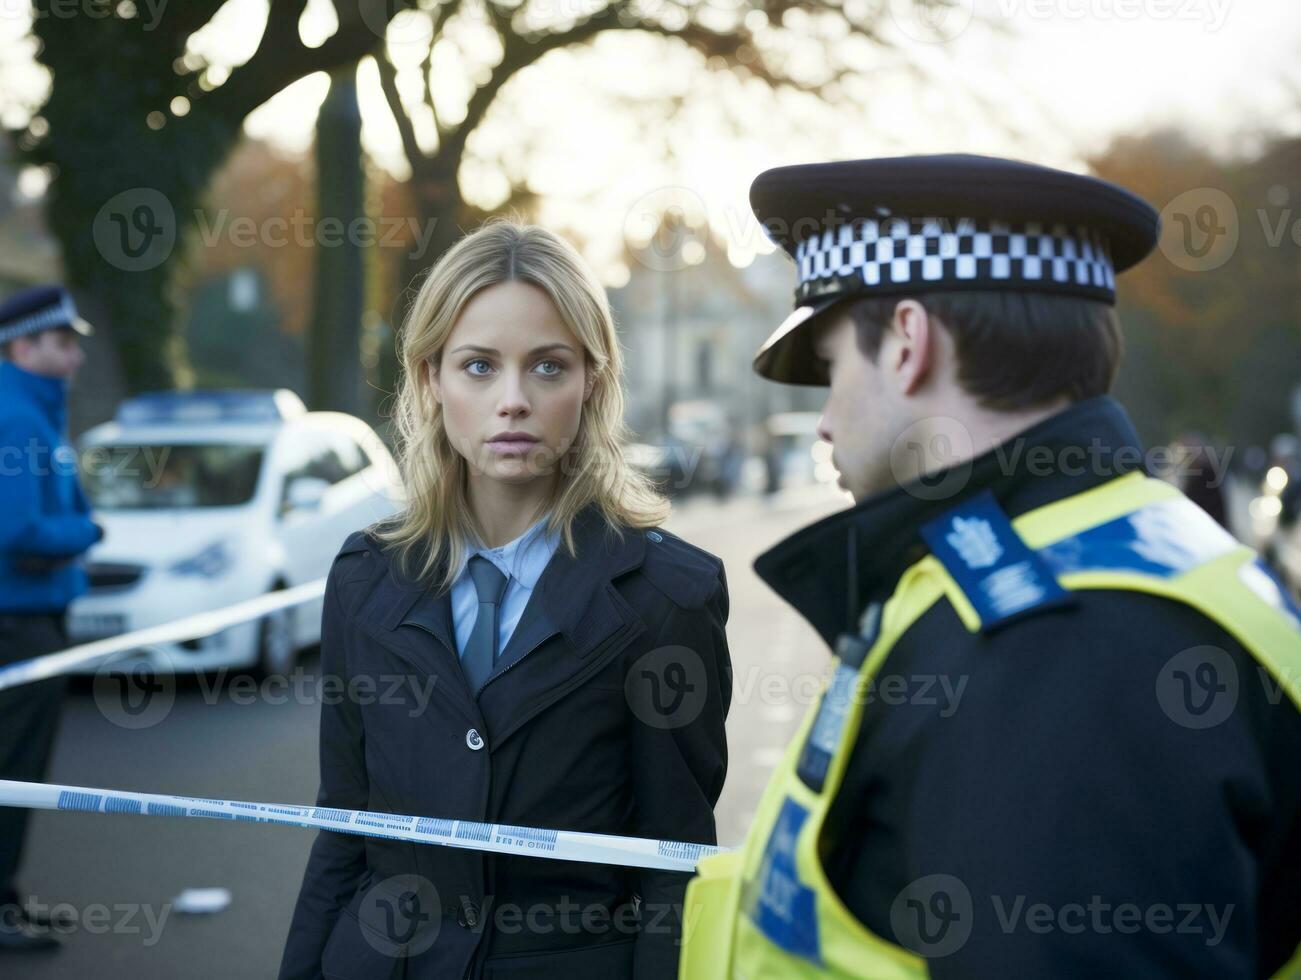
(44, 526)
(1061, 731)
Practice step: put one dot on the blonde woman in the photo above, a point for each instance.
(520, 645)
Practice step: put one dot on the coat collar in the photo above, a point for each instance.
(49, 394)
(567, 599)
(830, 570)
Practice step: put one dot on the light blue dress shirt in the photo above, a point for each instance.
(522, 562)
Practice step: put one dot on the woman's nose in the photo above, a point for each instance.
(513, 400)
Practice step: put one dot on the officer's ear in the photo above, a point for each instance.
(908, 348)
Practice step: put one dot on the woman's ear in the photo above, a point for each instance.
(589, 382)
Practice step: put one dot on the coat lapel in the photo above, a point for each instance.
(572, 612)
(432, 613)
(414, 623)
(572, 597)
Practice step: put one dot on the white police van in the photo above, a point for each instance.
(208, 498)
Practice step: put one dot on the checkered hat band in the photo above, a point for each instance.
(866, 255)
(61, 314)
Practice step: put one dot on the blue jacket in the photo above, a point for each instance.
(44, 516)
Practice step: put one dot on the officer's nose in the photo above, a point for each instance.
(824, 431)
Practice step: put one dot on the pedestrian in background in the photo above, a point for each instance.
(45, 526)
(1198, 476)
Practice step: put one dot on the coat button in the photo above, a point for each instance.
(473, 740)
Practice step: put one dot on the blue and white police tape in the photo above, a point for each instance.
(189, 628)
(559, 845)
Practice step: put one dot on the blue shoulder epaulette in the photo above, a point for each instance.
(1000, 575)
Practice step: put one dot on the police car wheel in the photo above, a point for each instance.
(276, 653)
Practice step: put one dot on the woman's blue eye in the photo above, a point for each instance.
(555, 367)
(478, 360)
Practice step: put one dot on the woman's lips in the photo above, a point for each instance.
(512, 447)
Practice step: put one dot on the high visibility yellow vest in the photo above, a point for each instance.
(767, 909)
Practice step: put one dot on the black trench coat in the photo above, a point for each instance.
(605, 713)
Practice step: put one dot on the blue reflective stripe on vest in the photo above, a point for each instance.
(1262, 580)
(1163, 539)
(1002, 577)
(783, 907)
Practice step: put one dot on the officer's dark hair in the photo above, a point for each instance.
(1015, 349)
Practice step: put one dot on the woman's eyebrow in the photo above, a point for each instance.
(492, 350)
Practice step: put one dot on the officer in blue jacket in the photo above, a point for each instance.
(45, 526)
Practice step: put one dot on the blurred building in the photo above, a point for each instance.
(690, 333)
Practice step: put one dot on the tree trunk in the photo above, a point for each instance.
(334, 332)
(436, 200)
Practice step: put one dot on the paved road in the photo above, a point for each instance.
(120, 873)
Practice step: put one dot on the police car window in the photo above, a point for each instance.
(324, 455)
(348, 454)
(354, 455)
(305, 455)
(159, 477)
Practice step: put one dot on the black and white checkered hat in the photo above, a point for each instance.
(39, 308)
(913, 225)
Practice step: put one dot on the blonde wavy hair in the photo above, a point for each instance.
(437, 523)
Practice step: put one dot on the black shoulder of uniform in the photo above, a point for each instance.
(686, 574)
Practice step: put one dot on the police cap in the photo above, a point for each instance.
(37, 308)
(896, 226)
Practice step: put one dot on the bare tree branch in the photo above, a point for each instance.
(520, 52)
(426, 71)
(282, 58)
(389, 86)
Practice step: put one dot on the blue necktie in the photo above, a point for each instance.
(481, 649)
